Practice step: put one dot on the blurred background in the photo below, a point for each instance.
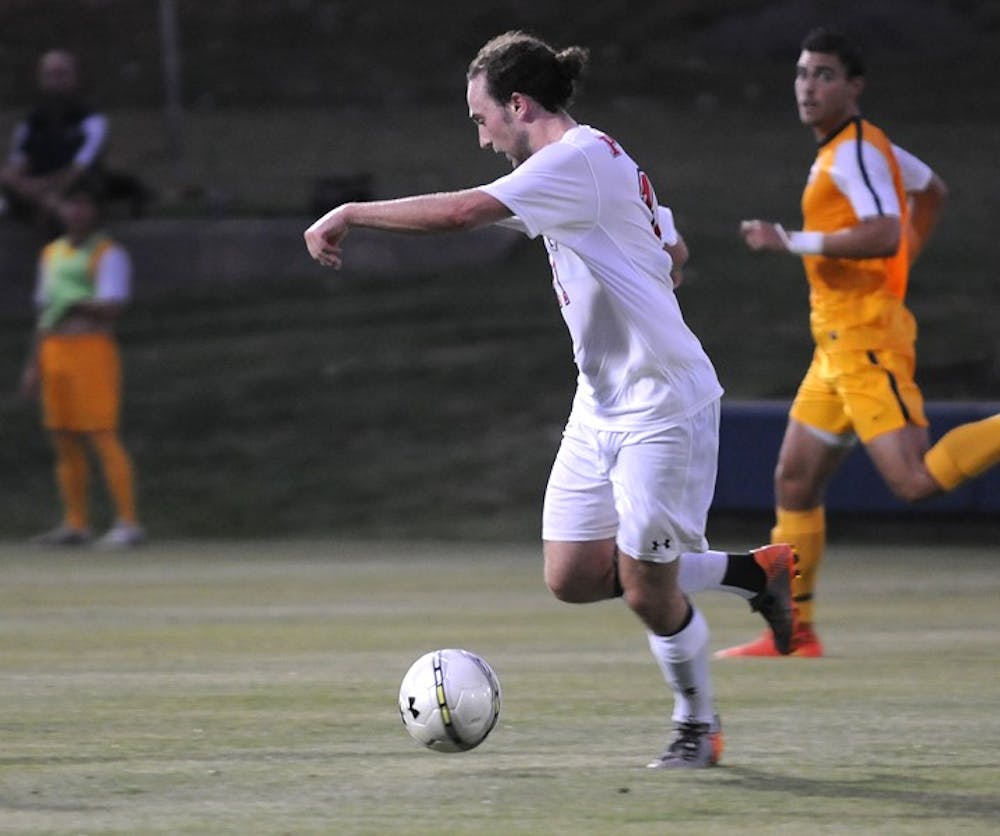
(421, 391)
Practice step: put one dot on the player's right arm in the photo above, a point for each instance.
(864, 177)
(874, 237)
(443, 212)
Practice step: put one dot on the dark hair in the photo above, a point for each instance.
(833, 42)
(89, 185)
(516, 62)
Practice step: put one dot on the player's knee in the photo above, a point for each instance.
(660, 614)
(575, 584)
(567, 589)
(794, 490)
(556, 583)
(911, 486)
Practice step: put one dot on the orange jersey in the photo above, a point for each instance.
(857, 303)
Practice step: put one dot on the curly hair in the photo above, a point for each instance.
(516, 62)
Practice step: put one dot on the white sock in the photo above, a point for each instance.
(683, 658)
(700, 571)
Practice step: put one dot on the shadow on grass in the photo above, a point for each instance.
(872, 788)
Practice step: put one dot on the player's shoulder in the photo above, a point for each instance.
(52, 249)
(859, 144)
(873, 133)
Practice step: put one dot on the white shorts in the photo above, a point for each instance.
(650, 490)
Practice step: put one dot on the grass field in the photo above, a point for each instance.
(249, 688)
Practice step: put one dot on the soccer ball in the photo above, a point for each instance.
(450, 700)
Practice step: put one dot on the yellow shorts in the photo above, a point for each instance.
(81, 382)
(865, 392)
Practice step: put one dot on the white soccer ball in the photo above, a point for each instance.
(450, 700)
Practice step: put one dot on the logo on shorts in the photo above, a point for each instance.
(665, 543)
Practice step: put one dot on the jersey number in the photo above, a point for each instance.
(649, 198)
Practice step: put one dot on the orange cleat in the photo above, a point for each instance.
(805, 643)
(695, 746)
(775, 602)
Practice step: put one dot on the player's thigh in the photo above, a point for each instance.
(579, 504)
(98, 385)
(899, 458)
(807, 460)
(664, 482)
(55, 367)
(879, 392)
(818, 403)
(81, 383)
(579, 520)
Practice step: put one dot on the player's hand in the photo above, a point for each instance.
(324, 239)
(762, 235)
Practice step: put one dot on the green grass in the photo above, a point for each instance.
(249, 687)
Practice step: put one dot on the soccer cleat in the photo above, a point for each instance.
(775, 602)
(123, 535)
(805, 644)
(695, 746)
(63, 535)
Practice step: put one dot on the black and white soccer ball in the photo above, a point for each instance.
(450, 700)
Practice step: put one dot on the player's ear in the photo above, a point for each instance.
(519, 104)
(858, 85)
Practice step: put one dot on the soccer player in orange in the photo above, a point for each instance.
(83, 284)
(868, 208)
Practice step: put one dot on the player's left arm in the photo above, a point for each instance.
(442, 212)
(926, 207)
(673, 243)
(926, 195)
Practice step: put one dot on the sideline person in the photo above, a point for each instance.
(61, 139)
(84, 282)
(868, 209)
(627, 500)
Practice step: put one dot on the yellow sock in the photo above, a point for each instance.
(72, 470)
(964, 452)
(806, 530)
(118, 474)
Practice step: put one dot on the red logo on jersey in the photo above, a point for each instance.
(607, 140)
(557, 285)
(649, 198)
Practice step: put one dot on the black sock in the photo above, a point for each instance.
(745, 572)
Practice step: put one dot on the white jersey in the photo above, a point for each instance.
(640, 366)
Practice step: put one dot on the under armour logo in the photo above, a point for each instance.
(665, 544)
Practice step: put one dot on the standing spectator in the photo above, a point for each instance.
(84, 282)
(61, 139)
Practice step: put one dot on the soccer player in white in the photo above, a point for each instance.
(632, 483)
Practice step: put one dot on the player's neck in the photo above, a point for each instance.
(833, 126)
(551, 129)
